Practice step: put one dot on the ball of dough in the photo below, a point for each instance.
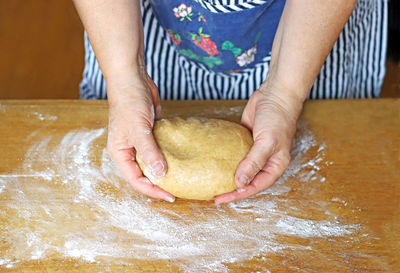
(202, 156)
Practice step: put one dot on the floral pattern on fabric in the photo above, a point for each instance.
(242, 58)
(210, 61)
(175, 37)
(183, 12)
(247, 57)
(204, 42)
(228, 45)
(201, 17)
(224, 42)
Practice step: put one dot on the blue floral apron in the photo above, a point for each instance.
(189, 43)
(224, 42)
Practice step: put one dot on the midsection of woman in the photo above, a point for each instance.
(207, 49)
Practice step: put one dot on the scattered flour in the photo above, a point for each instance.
(44, 116)
(230, 111)
(109, 223)
(2, 185)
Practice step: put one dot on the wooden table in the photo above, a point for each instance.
(355, 185)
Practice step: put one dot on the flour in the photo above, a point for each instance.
(308, 228)
(230, 111)
(41, 116)
(109, 223)
(2, 184)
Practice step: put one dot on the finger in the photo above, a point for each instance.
(148, 150)
(254, 161)
(131, 171)
(247, 119)
(144, 186)
(248, 114)
(263, 180)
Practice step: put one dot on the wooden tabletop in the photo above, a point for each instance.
(64, 207)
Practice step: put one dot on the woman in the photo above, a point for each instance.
(269, 51)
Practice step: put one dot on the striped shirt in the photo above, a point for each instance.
(355, 67)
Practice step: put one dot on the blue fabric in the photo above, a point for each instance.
(223, 42)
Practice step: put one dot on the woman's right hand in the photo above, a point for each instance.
(133, 107)
(115, 30)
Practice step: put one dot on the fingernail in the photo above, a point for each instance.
(157, 169)
(170, 199)
(240, 190)
(244, 180)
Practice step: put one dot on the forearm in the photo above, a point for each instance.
(116, 34)
(305, 35)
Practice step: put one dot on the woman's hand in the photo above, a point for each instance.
(115, 31)
(133, 106)
(298, 53)
(272, 118)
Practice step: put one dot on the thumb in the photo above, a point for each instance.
(155, 96)
(254, 162)
(148, 150)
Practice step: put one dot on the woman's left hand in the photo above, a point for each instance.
(271, 116)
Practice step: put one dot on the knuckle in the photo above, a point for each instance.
(149, 153)
(262, 150)
(268, 137)
(144, 146)
(282, 162)
(141, 131)
(254, 166)
(285, 159)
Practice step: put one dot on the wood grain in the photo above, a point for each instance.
(362, 140)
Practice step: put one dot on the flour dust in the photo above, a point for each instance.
(78, 206)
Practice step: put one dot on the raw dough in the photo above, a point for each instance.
(202, 156)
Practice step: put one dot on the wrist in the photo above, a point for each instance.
(292, 100)
(284, 83)
(120, 71)
(130, 83)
